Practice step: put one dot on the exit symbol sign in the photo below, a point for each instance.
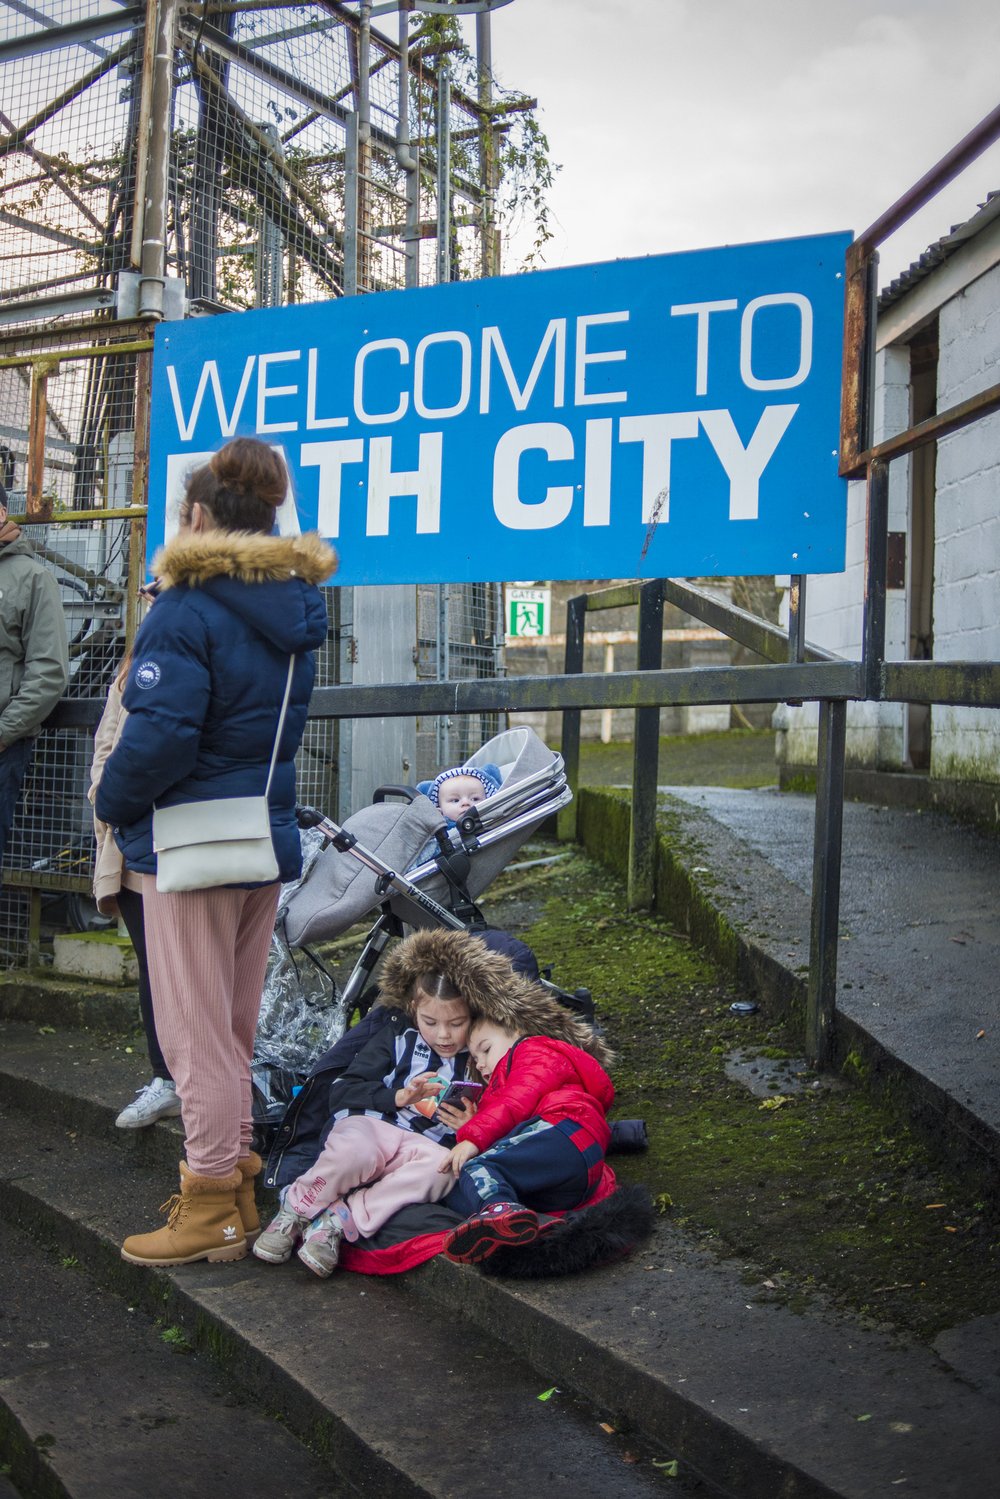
(528, 612)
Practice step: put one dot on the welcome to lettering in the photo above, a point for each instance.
(576, 425)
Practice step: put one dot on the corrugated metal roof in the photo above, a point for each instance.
(940, 251)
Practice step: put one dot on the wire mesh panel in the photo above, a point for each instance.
(460, 629)
(69, 76)
(262, 106)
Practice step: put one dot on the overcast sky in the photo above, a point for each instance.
(689, 123)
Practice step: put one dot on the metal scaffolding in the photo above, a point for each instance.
(169, 159)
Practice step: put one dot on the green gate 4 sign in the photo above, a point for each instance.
(528, 612)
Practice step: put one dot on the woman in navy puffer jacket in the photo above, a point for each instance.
(204, 695)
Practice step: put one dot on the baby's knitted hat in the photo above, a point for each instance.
(488, 774)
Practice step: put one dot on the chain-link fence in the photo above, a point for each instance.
(296, 133)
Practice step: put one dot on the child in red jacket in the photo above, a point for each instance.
(536, 1143)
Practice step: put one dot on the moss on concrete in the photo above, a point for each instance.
(828, 1191)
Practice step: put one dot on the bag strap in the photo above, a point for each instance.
(281, 725)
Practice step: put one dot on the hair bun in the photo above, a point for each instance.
(247, 466)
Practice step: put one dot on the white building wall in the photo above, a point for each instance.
(835, 602)
(965, 742)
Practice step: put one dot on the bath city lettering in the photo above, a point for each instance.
(577, 364)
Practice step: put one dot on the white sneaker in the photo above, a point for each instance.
(320, 1248)
(157, 1100)
(280, 1237)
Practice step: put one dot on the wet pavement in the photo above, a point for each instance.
(919, 956)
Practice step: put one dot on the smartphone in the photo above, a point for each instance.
(456, 1092)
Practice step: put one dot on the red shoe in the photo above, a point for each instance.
(501, 1225)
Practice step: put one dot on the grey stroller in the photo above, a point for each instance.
(367, 865)
(369, 862)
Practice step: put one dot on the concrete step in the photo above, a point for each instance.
(696, 1356)
(96, 1401)
(43, 998)
(399, 1403)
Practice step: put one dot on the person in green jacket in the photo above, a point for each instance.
(34, 661)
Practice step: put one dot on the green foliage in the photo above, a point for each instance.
(176, 1338)
(515, 147)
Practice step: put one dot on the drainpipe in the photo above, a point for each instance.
(158, 76)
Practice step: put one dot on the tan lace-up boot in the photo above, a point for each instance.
(249, 1167)
(203, 1223)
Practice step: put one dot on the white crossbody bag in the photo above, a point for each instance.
(227, 841)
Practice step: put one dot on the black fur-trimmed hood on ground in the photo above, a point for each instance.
(489, 985)
(599, 1234)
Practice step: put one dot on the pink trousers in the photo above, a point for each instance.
(207, 952)
(384, 1168)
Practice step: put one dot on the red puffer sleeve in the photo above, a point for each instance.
(535, 1071)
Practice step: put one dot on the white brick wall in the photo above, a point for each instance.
(965, 742)
(835, 603)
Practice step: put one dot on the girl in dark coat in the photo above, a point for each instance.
(204, 694)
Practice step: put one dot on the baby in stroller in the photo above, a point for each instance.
(454, 792)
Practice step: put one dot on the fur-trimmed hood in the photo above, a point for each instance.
(249, 556)
(489, 985)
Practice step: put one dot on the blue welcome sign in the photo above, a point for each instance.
(665, 417)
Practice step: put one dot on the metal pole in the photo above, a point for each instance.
(36, 508)
(576, 622)
(796, 625)
(140, 484)
(153, 255)
(363, 270)
(268, 253)
(443, 129)
(858, 365)
(406, 154)
(443, 670)
(444, 172)
(489, 239)
(351, 173)
(876, 553)
(645, 757)
(797, 618)
(142, 133)
(356, 156)
(827, 844)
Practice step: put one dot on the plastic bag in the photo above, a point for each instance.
(300, 1010)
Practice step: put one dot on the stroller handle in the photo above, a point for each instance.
(308, 817)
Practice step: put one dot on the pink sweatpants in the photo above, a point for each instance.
(207, 952)
(396, 1167)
